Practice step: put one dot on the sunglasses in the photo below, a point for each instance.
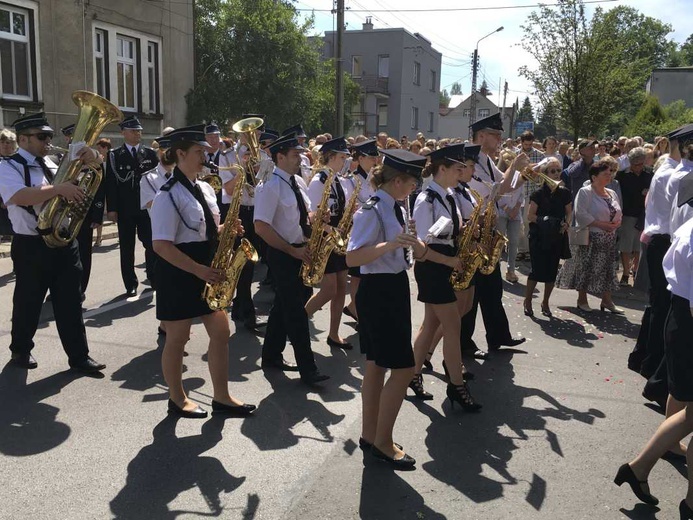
(42, 136)
(554, 170)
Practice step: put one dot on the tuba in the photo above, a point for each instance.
(321, 242)
(347, 220)
(247, 127)
(59, 220)
(468, 251)
(218, 296)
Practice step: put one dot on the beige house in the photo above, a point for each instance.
(454, 120)
(136, 53)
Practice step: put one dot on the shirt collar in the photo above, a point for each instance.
(282, 174)
(385, 197)
(30, 158)
(161, 170)
(438, 189)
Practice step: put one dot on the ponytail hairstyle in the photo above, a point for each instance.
(382, 174)
(171, 155)
(432, 166)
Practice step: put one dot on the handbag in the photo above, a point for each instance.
(579, 236)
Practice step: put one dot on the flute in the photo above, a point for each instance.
(408, 228)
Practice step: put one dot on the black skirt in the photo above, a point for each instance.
(179, 293)
(678, 351)
(544, 257)
(384, 308)
(355, 271)
(433, 279)
(336, 263)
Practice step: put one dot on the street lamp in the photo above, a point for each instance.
(475, 68)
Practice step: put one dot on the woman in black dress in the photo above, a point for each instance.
(549, 215)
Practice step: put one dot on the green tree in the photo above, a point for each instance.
(456, 89)
(546, 124)
(258, 60)
(526, 112)
(484, 90)
(681, 56)
(444, 98)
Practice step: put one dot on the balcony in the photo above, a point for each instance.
(372, 84)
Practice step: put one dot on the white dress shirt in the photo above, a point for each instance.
(685, 212)
(366, 191)
(276, 205)
(657, 207)
(375, 224)
(465, 204)
(486, 171)
(678, 263)
(316, 189)
(12, 181)
(426, 213)
(151, 183)
(178, 217)
(226, 160)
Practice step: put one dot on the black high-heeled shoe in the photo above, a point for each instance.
(416, 385)
(460, 394)
(406, 462)
(467, 376)
(685, 511)
(528, 310)
(365, 445)
(427, 362)
(625, 474)
(545, 310)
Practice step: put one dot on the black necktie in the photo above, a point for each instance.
(341, 198)
(134, 152)
(302, 210)
(212, 234)
(211, 157)
(490, 169)
(453, 214)
(46, 170)
(400, 219)
(464, 193)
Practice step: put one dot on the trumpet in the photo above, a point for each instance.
(540, 178)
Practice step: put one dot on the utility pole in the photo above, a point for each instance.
(472, 104)
(502, 110)
(339, 124)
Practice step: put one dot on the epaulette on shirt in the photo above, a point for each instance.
(323, 176)
(169, 184)
(430, 196)
(370, 203)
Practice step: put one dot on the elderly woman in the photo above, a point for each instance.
(635, 182)
(592, 267)
(550, 212)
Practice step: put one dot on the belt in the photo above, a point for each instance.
(661, 236)
(301, 244)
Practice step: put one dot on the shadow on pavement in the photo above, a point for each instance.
(28, 426)
(453, 437)
(570, 331)
(607, 322)
(142, 304)
(6, 278)
(170, 466)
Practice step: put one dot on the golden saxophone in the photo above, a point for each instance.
(492, 241)
(347, 220)
(468, 251)
(321, 242)
(219, 295)
(59, 220)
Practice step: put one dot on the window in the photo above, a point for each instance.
(430, 121)
(383, 66)
(127, 68)
(153, 75)
(100, 70)
(15, 57)
(356, 66)
(484, 112)
(465, 112)
(434, 81)
(417, 73)
(382, 115)
(414, 118)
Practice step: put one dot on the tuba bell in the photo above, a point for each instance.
(59, 220)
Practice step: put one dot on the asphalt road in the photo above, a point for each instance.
(560, 415)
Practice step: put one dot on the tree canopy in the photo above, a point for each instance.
(259, 60)
(526, 112)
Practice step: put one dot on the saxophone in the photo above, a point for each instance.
(321, 242)
(347, 220)
(492, 241)
(468, 251)
(219, 295)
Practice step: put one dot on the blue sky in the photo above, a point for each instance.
(455, 33)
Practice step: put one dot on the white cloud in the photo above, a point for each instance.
(456, 33)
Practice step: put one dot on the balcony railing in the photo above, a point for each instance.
(372, 84)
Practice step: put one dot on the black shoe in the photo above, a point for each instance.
(365, 445)
(314, 378)
(416, 384)
(467, 376)
(685, 511)
(196, 413)
(406, 462)
(252, 323)
(132, 291)
(346, 345)
(161, 332)
(427, 363)
(674, 457)
(639, 487)
(231, 410)
(279, 364)
(476, 354)
(460, 394)
(346, 311)
(512, 342)
(88, 366)
(23, 360)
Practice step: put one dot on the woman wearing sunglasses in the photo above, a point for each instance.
(548, 216)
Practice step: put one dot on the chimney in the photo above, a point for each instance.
(368, 25)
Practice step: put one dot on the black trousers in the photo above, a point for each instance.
(243, 306)
(85, 240)
(39, 268)
(488, 294)
(129, 226)
(660, 303)
(288, 316)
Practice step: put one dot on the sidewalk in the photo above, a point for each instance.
(110, 231)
